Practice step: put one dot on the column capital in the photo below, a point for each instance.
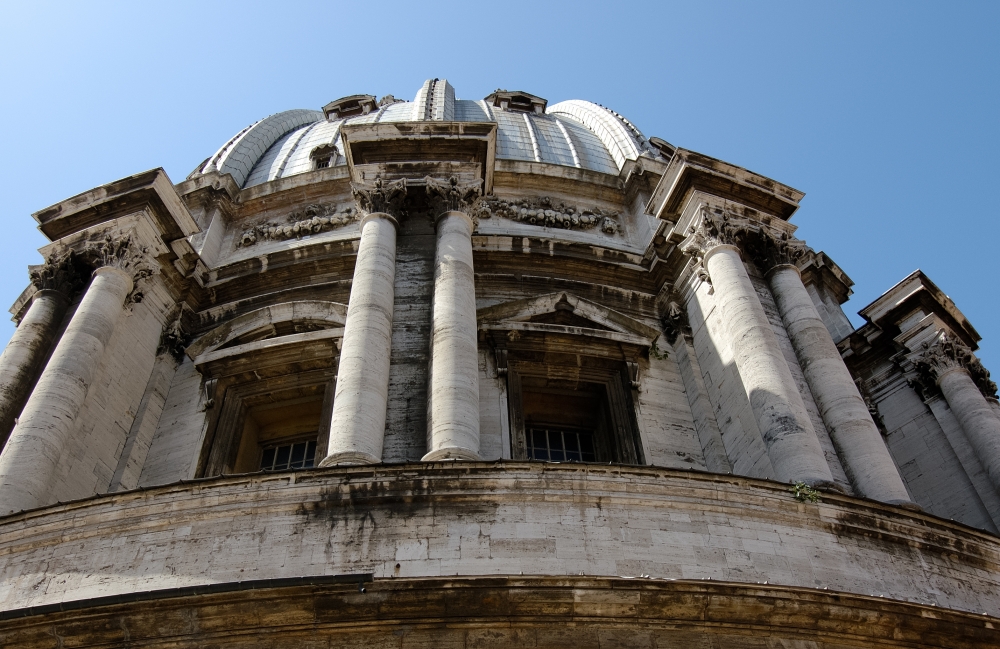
(945, 354)
(714, 227)
(453, 195)
(759, 240)
(380, 196)
(59, 273)
(124, 253)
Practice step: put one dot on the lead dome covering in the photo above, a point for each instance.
(571, 133)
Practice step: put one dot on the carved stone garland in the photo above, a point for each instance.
(313, 219)
(675, 322)
(946, 353)
(543, 212)
(174, 340)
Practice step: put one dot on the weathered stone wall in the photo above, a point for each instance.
(180, 433)
(928, 458)
(487, 519)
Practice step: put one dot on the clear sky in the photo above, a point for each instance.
(887, 114)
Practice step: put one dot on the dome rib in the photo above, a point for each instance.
(573, 133)
(618, 138)
(239, 156)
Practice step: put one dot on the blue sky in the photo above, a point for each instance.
(884, 113)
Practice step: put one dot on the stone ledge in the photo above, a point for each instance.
(509, 611)
(478, 518)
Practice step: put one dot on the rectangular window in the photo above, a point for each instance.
(560, 444)
(299, 455)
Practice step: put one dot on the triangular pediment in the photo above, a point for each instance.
(566, 310)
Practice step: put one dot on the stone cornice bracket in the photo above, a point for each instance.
(945, 354)
(58, 273)
(379, 196)
(123, 253)
(454, 195)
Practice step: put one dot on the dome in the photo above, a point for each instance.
(572, 133)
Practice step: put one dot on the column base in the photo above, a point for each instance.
(906, 504)
(452, 453)
(824, 485)
(349, 458)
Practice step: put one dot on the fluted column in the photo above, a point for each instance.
(859, 443)
(791, 441)
(30, 459)
(963, 380)
(357, 428)
(453, 392)
(56, 281)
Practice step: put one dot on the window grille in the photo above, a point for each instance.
(299, 455)
(560, 444)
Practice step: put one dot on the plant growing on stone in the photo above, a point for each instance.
(804, 492)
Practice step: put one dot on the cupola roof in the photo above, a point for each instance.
(572, 133)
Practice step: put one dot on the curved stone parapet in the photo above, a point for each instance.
(480, 519)
(483, 612)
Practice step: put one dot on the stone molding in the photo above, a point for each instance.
(379, 196)
(945, 354)
(453, 195)
(497, 611)
(58, 273)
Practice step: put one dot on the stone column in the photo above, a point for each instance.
(858, 441)
(30, 460)
(453, 390)
(792, 445)
(57, 281)
(963, 381)
(357, 428)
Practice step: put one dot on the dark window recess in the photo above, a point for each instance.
(323, 163)
(560, 445)
(299, 455)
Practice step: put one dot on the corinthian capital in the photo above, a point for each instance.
(379, 196)
(768, 248)
(944, 354)
(58, 273)
(125, 254)
(716, 227)
(453, 195)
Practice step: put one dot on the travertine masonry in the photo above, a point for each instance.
(486, 519)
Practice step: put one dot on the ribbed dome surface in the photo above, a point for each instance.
(572, 133)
